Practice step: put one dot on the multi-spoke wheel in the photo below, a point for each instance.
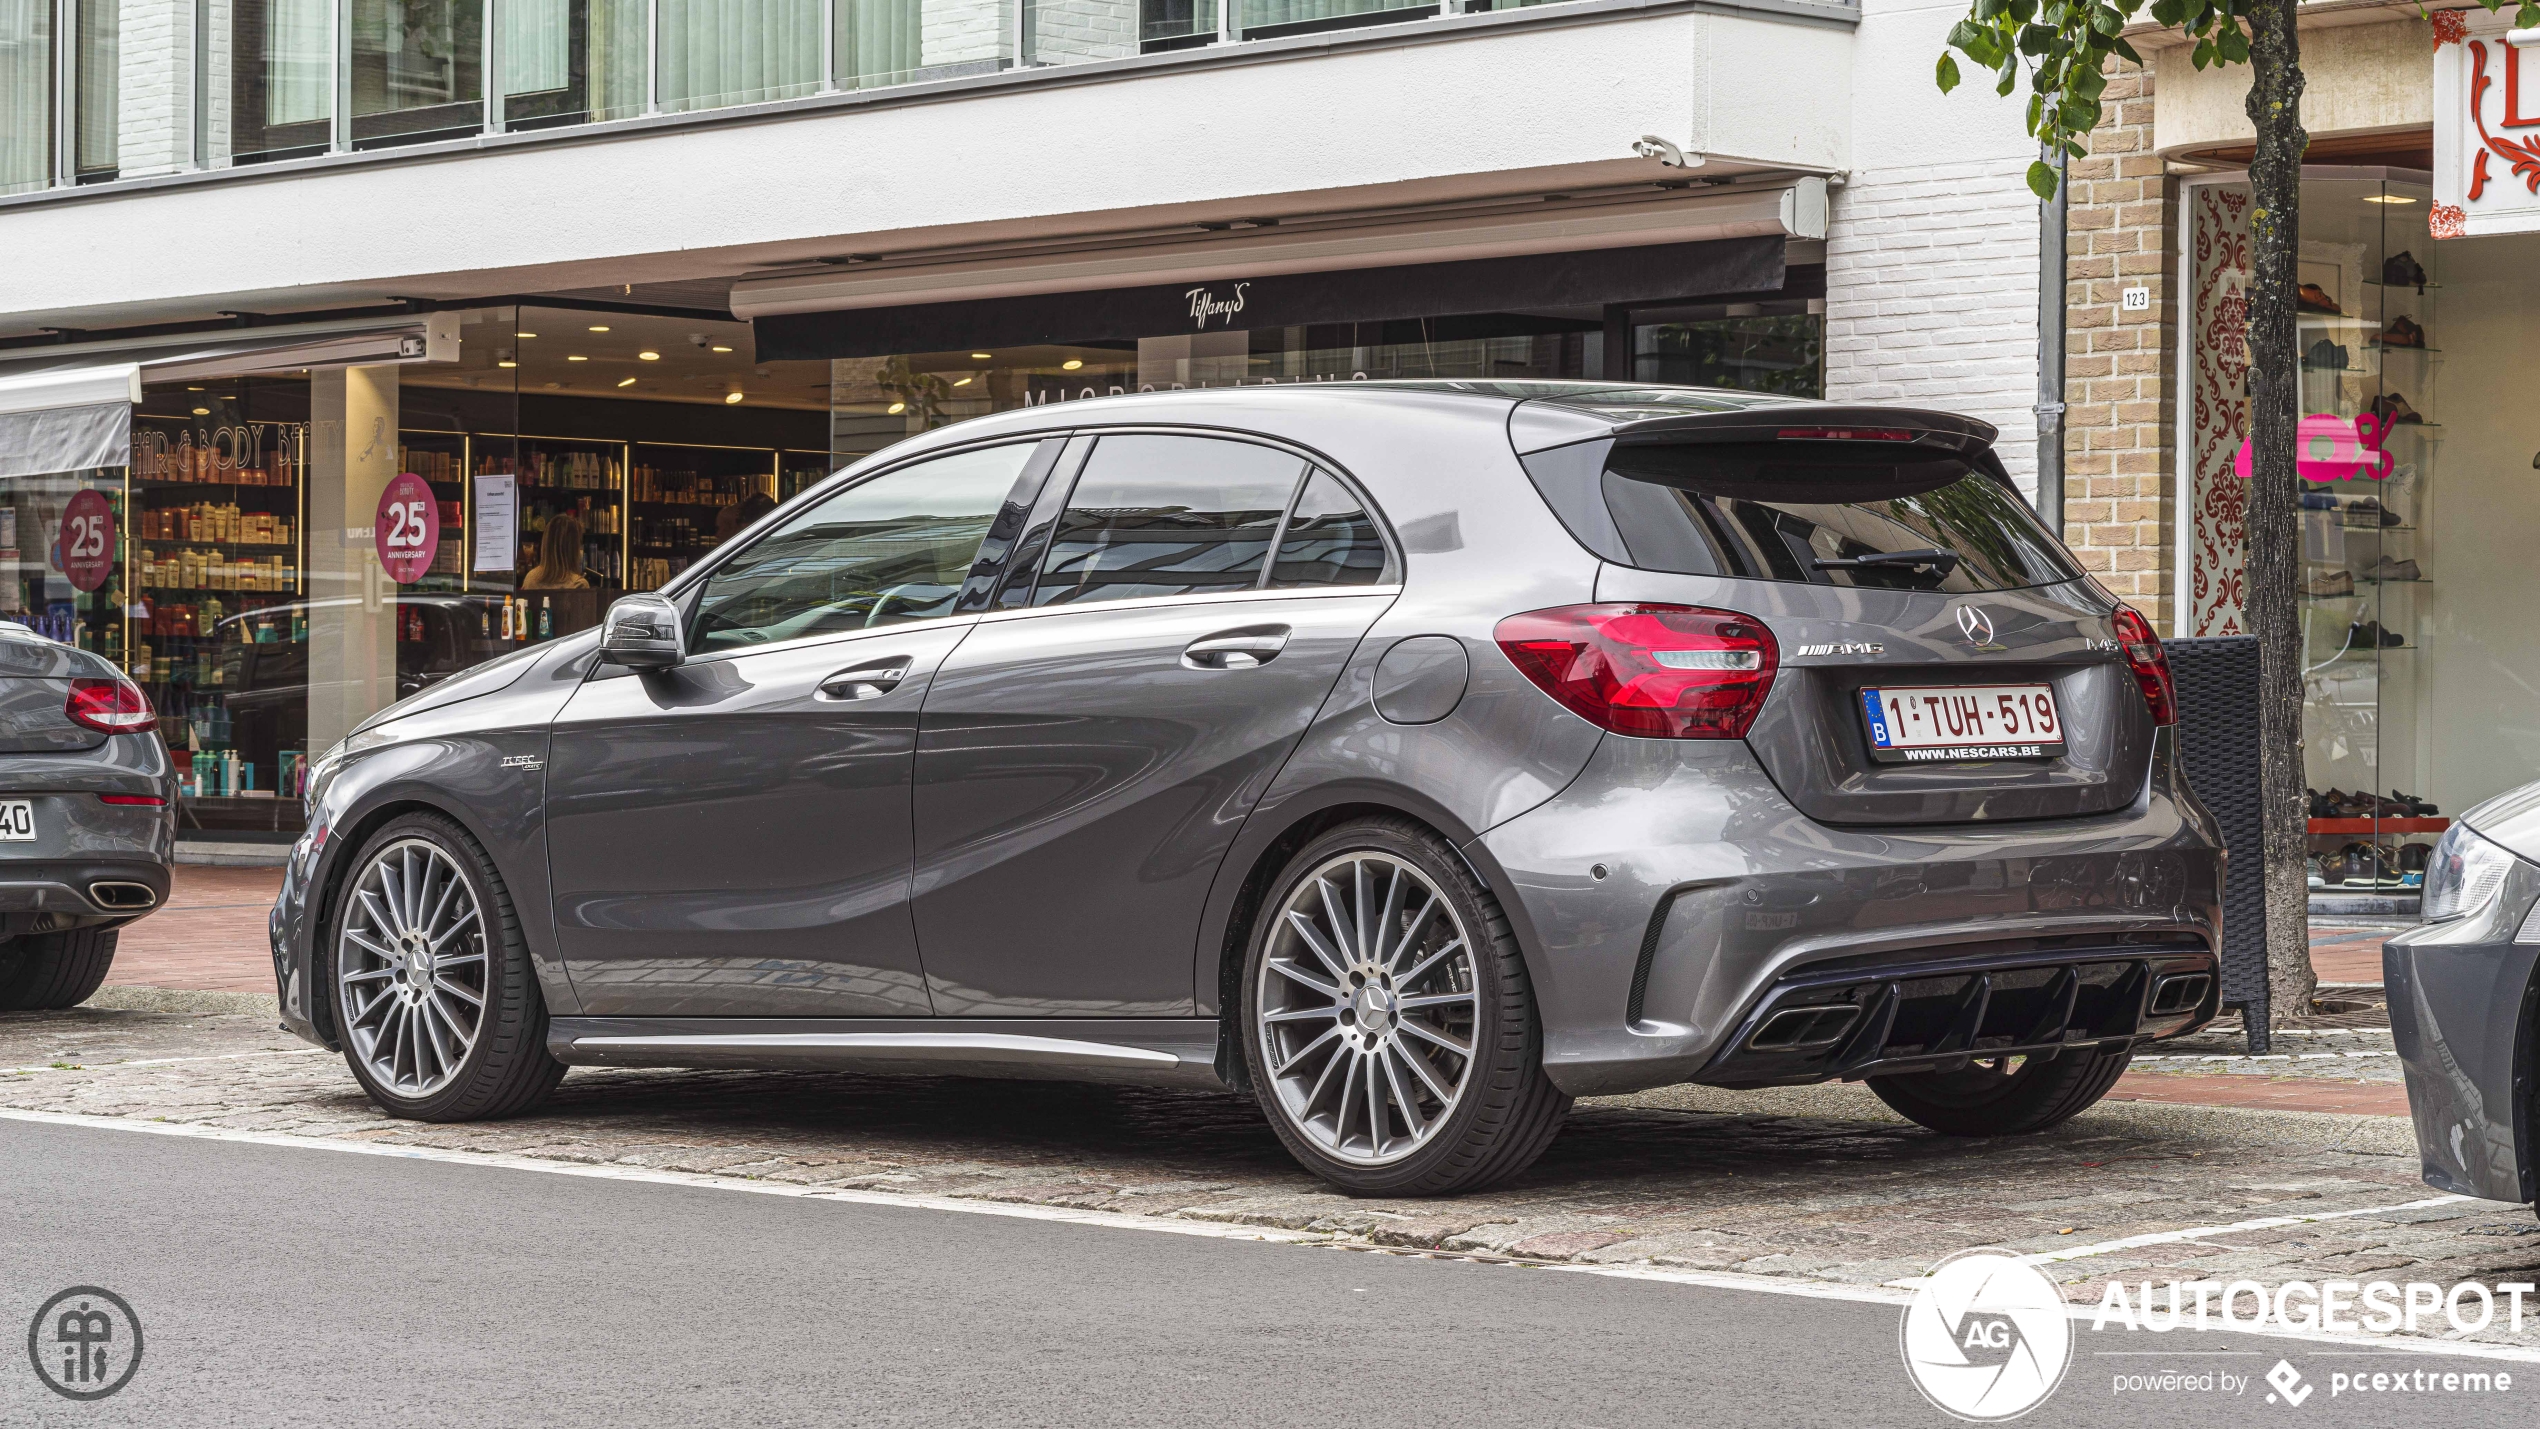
(411, 967)
(435, 1002)
(2004, 1096)
(1389, 1030)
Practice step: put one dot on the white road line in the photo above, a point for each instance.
(154, 1062)
(2110, 1247)
(1894, 1294)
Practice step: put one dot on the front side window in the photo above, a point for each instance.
(886, 551)
(1168, 515)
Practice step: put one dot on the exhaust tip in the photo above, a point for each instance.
(1796, 1029)
(123, 897)
(2181, 992)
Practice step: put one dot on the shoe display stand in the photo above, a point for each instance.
(2369, 582)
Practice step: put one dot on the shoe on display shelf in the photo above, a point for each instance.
(2393, 410)
(2315, 299)
(2369, 635)
(2417, 808)
(2313, 875)
(2326, 356)
(2335, 583)
(2387, 570)
(2367, 511)
(2402, 270)
(2402, 332)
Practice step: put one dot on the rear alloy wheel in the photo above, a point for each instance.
(2005, 1096)
(46, 972)
(1390, 1030)
(435, 1001)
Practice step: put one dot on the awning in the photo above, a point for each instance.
(73, 411)
(67, 419)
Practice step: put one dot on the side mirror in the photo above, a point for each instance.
(643, 632)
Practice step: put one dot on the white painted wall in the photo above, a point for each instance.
(1399, 122)
(1931, 248)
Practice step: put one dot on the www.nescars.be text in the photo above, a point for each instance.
(2378, 1307)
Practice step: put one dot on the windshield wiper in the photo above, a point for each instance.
(1941, 562)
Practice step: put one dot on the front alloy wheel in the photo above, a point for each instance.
(436, 1003)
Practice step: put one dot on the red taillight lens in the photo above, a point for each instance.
(1845, 434)
(146, 801)
(2151, 664)
(110, 706)
(1659, 671)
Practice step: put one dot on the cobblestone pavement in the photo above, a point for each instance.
(1820, 1183)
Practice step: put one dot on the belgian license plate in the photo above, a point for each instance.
(1937, 723)
(17, 821)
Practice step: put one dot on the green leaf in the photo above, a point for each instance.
(2087, 81)
(2121, 47)
(2041, 181)
(1947, 74)
(2204, 54)
(2078, 116)
(2023, 11)
(2233, 46)
(2106, 20)
(2010, 77)
(2169, 12)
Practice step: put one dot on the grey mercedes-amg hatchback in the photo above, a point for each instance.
(1414, 756)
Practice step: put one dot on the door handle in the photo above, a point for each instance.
(864, 682)
(1243, 649)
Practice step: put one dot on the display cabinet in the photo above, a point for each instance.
(683, 500)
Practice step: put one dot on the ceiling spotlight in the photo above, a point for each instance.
(729, 398)
(507, 362)
(628, 382)
(648, 356)
(2388, 198)
(896, 408)
(982, 356)
(599, 327)
(193, 389)
(577, 359)
(1071, 364)
(718, 347)
(202, 411)
(964, 382)
(524, 334)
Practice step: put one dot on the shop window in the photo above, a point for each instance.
(280, 80)
(572, 61)
(1158, 516)
(418, 70)
(97, 62)
(886, 551)
(722, 52)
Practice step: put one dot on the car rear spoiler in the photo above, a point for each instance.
(1543, 424)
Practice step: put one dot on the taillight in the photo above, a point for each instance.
(143, 801)
(1845, 434)
(2150, 663)
(110, 706)
(1660, 671)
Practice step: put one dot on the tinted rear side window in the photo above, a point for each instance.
(1168, 515)
(1825, 513)
(1330, 540)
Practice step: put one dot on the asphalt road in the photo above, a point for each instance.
(284, 1286)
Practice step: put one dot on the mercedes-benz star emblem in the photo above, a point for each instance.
(1975, 625)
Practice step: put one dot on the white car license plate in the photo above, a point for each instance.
(17, 821)
(1936, 723)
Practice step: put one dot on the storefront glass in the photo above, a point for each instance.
(26, 95)
(2418, 512)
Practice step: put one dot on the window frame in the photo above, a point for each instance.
(1046, 513)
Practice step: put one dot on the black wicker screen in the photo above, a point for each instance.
(2218, 739)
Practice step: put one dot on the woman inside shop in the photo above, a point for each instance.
(559, 558)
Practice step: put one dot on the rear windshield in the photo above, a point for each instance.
(1858, 514)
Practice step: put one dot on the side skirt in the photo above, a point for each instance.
(1144, 1051)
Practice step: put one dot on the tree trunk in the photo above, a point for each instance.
(2275, 544)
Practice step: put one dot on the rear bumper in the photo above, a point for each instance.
(2462, 1009)
(1670, 900)
(39, 895)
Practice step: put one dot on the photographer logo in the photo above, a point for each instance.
(85, 1343)
(1986, 1337)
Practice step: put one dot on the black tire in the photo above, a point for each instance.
(1985, 1100)
(1508, 1111)
(507, 1071)
(44, 972)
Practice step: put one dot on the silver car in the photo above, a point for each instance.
(87, 818)
(1414, 756)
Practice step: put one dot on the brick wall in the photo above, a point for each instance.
(154, 98)
(1931, 296)
(2120, 419)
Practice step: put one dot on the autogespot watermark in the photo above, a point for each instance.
(1986, 1336)
(2373, 1307)
(85, 1343)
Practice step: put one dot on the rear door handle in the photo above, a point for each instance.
(1243, 649)
(864, 682)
